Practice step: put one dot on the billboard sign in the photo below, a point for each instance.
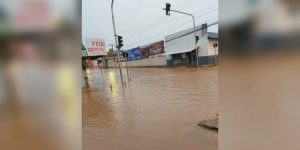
(95, 47)
(157, 48)
(145, 51)
(134, 54)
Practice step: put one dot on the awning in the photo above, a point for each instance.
(178, 51)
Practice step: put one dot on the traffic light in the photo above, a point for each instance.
(120, 41)
(168, 8)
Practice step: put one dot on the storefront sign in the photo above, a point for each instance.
(95, 47)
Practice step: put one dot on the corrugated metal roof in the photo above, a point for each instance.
(179, 51)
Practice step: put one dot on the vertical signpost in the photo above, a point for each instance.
(96, 47)
(126, 55)
(215, 46)
(112, 48)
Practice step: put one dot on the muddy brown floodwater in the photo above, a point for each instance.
(159, 109)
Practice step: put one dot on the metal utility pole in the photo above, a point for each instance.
(215, 46)
(100, 67)
(115, 35)
(127, 67)
(112, 47)
(168, 6)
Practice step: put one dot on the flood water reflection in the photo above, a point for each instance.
(158, 110)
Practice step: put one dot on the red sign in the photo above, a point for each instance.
(95, 47)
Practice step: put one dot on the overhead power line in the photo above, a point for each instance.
(159, 22)
(163, 22)
(209, 25)
(175, 27)
(212, 24)
(132, 15)
(185, 2)
(189, 3)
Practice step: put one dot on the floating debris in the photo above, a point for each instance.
(209, 124)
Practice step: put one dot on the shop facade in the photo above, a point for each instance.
(181, 49)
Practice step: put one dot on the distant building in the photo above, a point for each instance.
(213, 48)
(180, 47)
(177, 49)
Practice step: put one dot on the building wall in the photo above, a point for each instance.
(207, 53)
(211, 49)
(186, 43)
(210, 56)
(207, 49)
(149, 62)
(208, 60)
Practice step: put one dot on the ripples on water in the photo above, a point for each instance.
(159, 109)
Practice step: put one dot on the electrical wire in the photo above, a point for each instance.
(212, 24)
(175, 27)
(159, 22)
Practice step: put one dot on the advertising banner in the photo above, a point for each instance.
(157, 48)
(145, 51)
(95, 47)
(134, 54)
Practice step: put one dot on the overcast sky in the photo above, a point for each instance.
(142, 22)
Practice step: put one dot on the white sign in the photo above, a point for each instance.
(95, 47)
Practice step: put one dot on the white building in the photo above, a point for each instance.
(180, 47)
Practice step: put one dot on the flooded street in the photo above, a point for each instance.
(158, 110)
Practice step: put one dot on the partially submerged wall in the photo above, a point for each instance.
(148, 62)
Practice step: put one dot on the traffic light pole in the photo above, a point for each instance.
(126, 56)
(112, 47)
(115, 35)
(194, 24)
